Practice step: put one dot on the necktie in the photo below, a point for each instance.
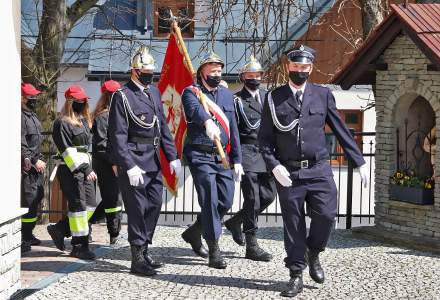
(298, 98)
(257, 98)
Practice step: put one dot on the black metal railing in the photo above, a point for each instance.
(354, 202)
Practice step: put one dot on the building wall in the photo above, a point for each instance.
(406, 79)
(10, 237)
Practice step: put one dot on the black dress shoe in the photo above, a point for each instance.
(192, 235)
(295, 285)
(234, 226)
(315, 270)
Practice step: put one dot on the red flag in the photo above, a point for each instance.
(174, 78)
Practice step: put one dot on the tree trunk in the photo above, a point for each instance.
(372, 15)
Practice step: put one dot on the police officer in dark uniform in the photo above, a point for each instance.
(214, 183)
(137, 131)
(33, 165)
(111, 204)
(258, 185)
(292, 141)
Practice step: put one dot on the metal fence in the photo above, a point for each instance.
(355, 203)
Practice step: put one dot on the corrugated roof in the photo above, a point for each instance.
(424, 20)
(420, 21)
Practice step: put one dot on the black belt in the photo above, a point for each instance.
(144, 140)
(301, 164)
(205, 148)
(248, 141)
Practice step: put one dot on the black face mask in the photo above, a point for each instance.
(78, 107)
(31, 103)
(145, 78)
(298, 78)
(213, 81)
(252, 84)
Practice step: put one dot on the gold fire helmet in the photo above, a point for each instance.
(253, 65)
(143, 60)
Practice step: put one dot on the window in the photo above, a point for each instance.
(183, 9)
(353, 119)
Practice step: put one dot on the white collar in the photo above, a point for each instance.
(253, 93)
(294, 89)
(140, 86)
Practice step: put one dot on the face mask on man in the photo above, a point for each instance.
(145, 78)
(78, 107)
(31, 103)
(298, 78)
(252, 84)
(213, 81)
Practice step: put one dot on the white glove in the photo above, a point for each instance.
(212, 130)
(238, 172)
(135, 176)
(27, 164)
(282, 175)
(176, 167)
(364, 174)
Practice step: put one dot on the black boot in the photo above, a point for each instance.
(82, 251)
(295, 285)
(234, 226)
(25, 247)
(155, 264)
(315, 270)
(138, 264)
(215, 257)
(89, 237)
(57, 236)
(193, 236)
(253, 250)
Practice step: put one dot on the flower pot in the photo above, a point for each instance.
(413, 195)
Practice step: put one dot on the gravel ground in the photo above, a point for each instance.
(355, 269)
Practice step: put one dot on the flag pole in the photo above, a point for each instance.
(176, 29)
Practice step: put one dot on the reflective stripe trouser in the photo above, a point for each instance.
(111, 204)
(80, 195)
(32, 192)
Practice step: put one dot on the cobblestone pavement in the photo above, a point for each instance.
(355, 269)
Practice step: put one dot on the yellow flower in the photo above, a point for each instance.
(406, 178)
(399, 175)
(428, 186)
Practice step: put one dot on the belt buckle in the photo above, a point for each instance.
(304, 164)
(156, 141)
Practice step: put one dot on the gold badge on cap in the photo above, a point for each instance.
(142, 117)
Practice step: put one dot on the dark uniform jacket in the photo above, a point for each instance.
(251, 110)
(100, 140)
(31, 137)
(127, 153)
(66, 135)
(196, 116)
(318, 108)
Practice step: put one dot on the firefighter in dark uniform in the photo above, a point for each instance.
(33, 165)
(137, 131)
(258, 185)
(111, 204)
(214, 184)
(292, 141)
(71, 134)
